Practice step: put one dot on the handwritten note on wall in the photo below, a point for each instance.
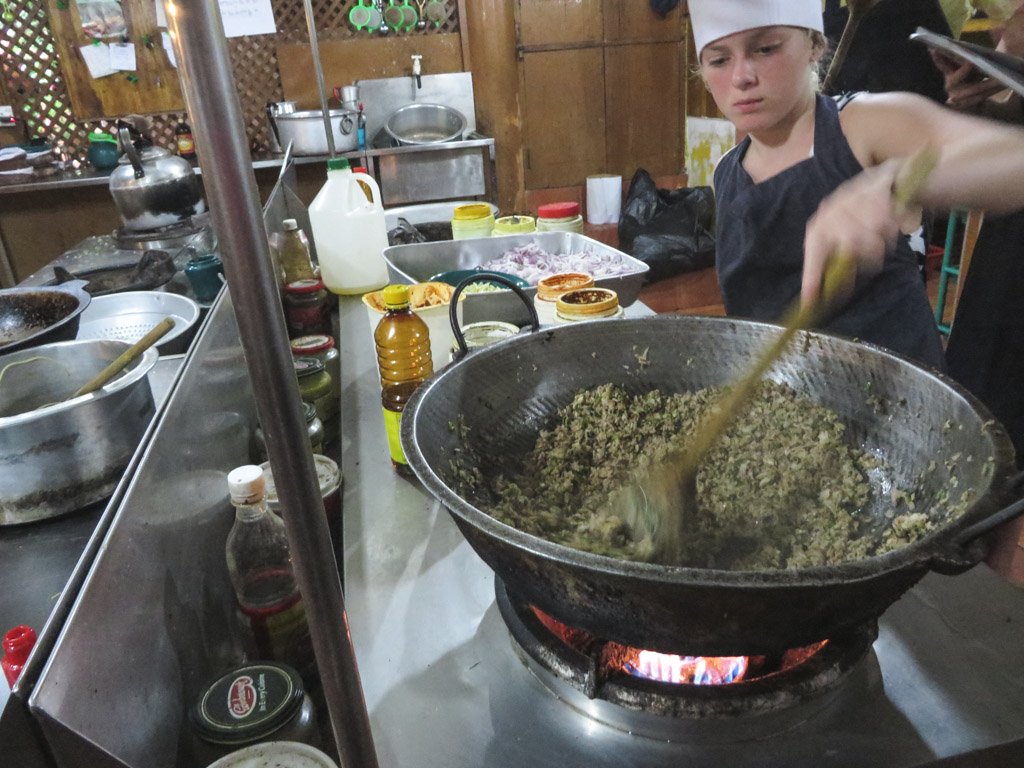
(241, 17)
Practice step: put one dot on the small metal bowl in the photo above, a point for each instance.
(425, 124)
(131, 315)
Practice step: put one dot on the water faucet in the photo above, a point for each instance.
(417, 69)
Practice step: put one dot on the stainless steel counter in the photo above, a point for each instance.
(445, 688)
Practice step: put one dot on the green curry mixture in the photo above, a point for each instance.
(781, 489)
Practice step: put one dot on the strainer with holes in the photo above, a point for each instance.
(131, 315)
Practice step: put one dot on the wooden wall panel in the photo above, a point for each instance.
(157, 89)
(644, 111)
(564, 116)
(364, 58)
(549, 22)
(629, 20)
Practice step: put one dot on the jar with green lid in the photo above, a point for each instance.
(314, 428)
(316, 388)
(514, 225)
(322, 347)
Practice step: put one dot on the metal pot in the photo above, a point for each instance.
(306, 131)
(153, 188)
(33, 316)
(63, 457)
(506, 393)
(425, 124)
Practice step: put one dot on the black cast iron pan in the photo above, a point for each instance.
(507, 392)
(33, 316)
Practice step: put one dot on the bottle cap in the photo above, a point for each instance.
(310, 345)
(247, 703)
(246, 484)
(361, 169)
(471, 212)
(307, 366)
(559, 210)
(396, 296)
(19, 641)
(338, 164)
(304, 286)
(289, 225)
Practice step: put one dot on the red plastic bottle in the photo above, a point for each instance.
(17, 644)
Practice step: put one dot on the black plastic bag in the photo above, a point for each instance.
(672, 231)
(664, 7)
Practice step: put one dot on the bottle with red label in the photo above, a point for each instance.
(260, 568)
(184, 142)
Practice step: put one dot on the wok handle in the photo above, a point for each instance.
(490, 277)
(966, 551)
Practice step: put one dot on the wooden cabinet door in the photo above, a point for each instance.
(635, 21)
(553, 22)
(644, 107)
(564, 116)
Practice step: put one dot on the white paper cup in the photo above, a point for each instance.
(604, 199)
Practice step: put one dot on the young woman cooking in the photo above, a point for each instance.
(809, 181)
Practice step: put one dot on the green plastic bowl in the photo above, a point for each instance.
(456, 276)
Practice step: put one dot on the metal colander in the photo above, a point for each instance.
(131, 315)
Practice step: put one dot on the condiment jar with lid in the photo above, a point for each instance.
(251, 704)
(314, 428)
(205, 273)
(307, 307)
(316, 388)
(560, 217)
(473, 220)
(587, 304)
(483, 333)
(514, 225)
(551, 287)
(322, 347)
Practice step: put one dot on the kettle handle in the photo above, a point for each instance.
(129, 149)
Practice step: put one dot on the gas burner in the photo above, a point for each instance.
(168, 238)
(664, 689)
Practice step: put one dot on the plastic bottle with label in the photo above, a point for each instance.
(404, 360)
(349, 231)
(260, 568)
(293, 253)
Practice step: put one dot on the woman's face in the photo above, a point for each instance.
(760, 77)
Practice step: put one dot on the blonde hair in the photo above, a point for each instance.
(820, 45)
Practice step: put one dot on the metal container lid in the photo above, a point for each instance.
(247, 703)
(276, 754)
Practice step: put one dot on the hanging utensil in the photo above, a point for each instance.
(858, 9)
(436, 12)
(422, 23)
(359, 16)
(410, 18)
(382, 27)
(394, 16)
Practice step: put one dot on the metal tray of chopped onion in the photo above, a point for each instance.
(528, 256)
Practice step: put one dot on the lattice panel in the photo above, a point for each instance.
(33, 82)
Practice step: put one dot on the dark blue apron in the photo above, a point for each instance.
(760, 237)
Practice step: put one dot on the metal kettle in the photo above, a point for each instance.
(153, 188)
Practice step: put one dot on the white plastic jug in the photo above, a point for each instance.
(349, 231)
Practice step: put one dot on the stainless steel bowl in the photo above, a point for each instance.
(63, 456)
(425, 124)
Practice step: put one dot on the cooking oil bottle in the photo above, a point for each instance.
(403, 356)
(349, 231)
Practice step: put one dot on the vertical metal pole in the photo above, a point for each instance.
(212, 100)
(314, 49)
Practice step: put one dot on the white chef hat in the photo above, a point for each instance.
(714, 19)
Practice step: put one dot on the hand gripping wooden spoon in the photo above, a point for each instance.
(658, 508)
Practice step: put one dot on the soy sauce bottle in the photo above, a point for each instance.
(184, 142)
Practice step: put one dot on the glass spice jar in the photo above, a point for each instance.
(587, 304)
(316, 388)
(307, 307)
(314, 428)
(322, 347)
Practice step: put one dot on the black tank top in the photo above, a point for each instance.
(760, 237)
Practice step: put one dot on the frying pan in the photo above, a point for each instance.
(924, 426)
(33, 316)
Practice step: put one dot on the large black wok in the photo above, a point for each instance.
(917, 420)
(33, 316)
